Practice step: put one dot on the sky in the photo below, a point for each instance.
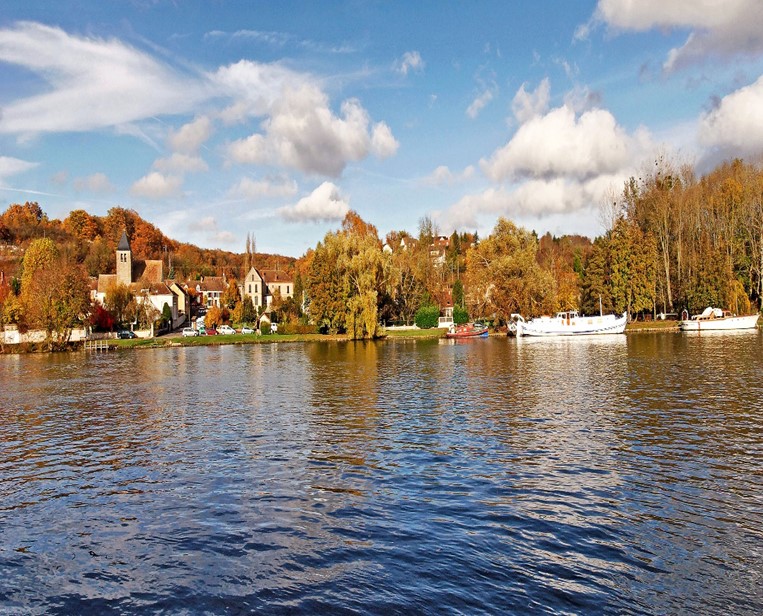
(216, 119)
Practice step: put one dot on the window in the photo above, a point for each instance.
(256, 290)
(287, 289)
(250, 289)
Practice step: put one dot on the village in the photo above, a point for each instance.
(672, 244)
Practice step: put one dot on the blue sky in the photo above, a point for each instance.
(216, 119)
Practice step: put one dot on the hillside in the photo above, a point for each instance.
(92, 240)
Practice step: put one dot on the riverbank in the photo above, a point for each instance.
(176, 340)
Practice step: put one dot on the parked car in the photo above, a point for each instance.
(189, 331)
(247, 330)
(208, 332)
(126, 334)
(226, 329)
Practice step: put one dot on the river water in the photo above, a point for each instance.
(619, 475)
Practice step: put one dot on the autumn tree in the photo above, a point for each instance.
(406, 288)
(230, 296)
(82, 226)
(100, 258)
(346, 278)
(55, 293)
(117, 301)
(325, 287)
(23, 221)
(503, 275)
(244, 311)
(214, 317)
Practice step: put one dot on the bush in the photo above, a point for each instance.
(460, 315)
(427, 317)
(264, 327)
(293, 327)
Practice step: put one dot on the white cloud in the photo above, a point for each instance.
(561, 144)
(716, 28)
(190, 137)
(479, 103)
(302, 132)
(443, 176)
(157, 186)
(97, 183)
(527, 105)
(383, 142)
(248, 188)
(181, 163)
(531, 199)
(11, 166)
(411, 61)
(736, 124)
(325, 203)
(255, 88)
(92, 83)
(60, 178)
(209, 228)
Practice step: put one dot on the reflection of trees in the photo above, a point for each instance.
(344, 403)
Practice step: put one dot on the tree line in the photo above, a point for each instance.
(673, 241)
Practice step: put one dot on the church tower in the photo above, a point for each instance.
(124, 261)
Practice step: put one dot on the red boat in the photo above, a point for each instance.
(467, 330)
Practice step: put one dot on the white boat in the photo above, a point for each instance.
(568, 323)
(715, 319)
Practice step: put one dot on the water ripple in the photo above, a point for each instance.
(504, 476)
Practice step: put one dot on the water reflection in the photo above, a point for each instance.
(618, 474)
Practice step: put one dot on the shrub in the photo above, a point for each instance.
(427, 317)
(264, 327)
(294, 327)
(460, 315)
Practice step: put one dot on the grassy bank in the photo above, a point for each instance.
(178, 341)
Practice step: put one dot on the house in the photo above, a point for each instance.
(254, 287)
(395, 243)
(262, 285)
(210, 289)
(146, 282)
(277, 280)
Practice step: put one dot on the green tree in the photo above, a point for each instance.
(427, 316)
(166, 315)
(460, 315)
(596, 288)
(458, 294)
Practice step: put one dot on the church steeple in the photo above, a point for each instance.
(124, 261)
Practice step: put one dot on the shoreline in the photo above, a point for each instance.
(175, 340)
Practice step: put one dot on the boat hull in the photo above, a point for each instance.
(577, 326)
(467, 331)
(719, 324)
